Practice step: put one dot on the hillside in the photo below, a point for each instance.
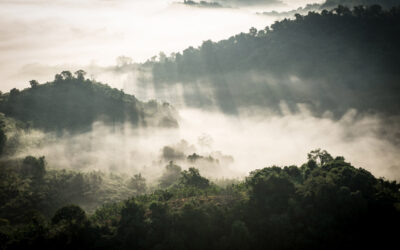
(331, 61)
(330, 5)
(352, 3)
(74, 103)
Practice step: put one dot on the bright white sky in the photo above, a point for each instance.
(38, 38)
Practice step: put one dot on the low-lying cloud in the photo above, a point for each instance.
(222, 146)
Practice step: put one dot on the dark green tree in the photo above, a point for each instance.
(66, 75)
(131, 233)
(3, 140)
(138, 183)
(33, 83)
(192, 178)
(80, 75)
(71, 215)
(34, 167)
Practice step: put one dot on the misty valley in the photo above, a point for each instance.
(224, 124)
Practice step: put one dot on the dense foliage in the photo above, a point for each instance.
(334, 60)
(28, 185)
(73, 102)
(324, 204)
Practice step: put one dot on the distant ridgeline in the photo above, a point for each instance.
(229, 3)
(202, 4)
(352, 3)
(331, 4)
(326, 4)
(73, 102)
(334, 60)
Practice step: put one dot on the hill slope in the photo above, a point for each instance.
(352, 3)
(334, 60)
(75, 103)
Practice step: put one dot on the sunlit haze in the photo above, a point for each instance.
(38, 37)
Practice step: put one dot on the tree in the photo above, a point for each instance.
(171, 175)
(270, 191)
(253, 31)
(138, 183)
(58, 78)
(70, 226)
(321, 157)
(80, 75)
(374, 10)
(71, 215)
(33, 83)
(132, 228)
(66, 75)
(14, 92)
(35, 167)
(170, 153)
(240, 236)
(192, 178)
(162, 57)
(342, 10)
(3, 140)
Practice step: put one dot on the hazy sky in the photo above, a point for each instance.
(41, 37)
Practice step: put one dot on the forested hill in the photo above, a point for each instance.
(324, 204)
(352, 3)
(73, 102)
(333, 60)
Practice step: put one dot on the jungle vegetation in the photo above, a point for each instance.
(326, 203)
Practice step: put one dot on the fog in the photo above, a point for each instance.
(38, 37)
(231, 146)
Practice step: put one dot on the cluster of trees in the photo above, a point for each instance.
(72, 102)
(324, 204)
(28, 187)
(290, 13)
(312, 59)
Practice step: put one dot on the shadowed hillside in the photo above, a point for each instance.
(73, 103)
(333, 60)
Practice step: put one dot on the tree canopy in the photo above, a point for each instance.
(325, 203)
